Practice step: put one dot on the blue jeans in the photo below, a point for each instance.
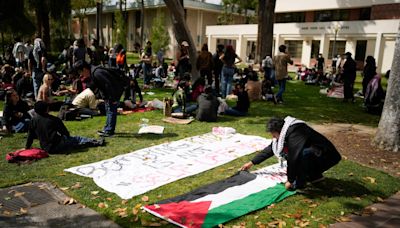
(226, 80)
(190, 108)
(234, 112)
(282, 87)
(146, 73)
(111, 116)
(74, 142)
(37, 79)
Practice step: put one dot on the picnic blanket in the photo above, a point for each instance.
(140, 110)
(137, 172)
(221, 201)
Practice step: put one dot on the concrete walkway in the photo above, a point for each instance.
(42, 205)
(386, 215)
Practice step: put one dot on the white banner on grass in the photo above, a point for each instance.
(135, 173)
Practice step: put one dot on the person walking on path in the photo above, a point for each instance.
(281, 62)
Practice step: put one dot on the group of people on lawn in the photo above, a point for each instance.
(308, 153)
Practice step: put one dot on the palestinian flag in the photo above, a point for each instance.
(219, 202)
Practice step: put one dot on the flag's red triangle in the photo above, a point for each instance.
(189, 214)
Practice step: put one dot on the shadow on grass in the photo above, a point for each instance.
(144, 136)
(332, 187)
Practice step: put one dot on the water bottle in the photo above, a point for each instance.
(144, 122)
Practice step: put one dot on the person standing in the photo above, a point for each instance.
(147, 58)
(204, 64)
(218, 64)
(281, 62)
(111, 85)
(183, 66)
(320, 64)
(267, 67)
(37, 64)
(348, 77)
(369, 72)
(228, 70)
(307, 152)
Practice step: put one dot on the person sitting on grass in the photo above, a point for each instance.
(45, 93)
(52, 133)
(87, 101)
(242, 104)
(208, 106)
(308, 153)
(16, 115)
(130, 95)
(179, 100)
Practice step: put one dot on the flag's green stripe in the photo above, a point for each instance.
(245, 205)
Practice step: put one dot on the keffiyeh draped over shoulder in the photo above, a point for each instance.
(38, 46)
(277, 144)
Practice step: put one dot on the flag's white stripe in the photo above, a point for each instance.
(241, 191)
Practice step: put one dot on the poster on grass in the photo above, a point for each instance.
(222, 201)
(137, 172)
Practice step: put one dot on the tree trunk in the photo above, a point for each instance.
(182, 32)
(142, 24)
(46, 29)
(38, 22)
(388, 134)
(265, 35)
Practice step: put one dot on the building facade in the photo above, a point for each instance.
(329, 27)
(198, 15)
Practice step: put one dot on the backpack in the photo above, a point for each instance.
(68, 112)
(26, 155)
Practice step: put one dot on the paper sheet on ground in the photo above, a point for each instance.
(137, 172)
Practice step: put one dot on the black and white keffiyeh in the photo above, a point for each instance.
(277, 144)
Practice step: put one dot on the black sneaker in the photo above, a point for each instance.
(105, 134)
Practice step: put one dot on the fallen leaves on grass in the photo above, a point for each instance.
(64, 188)
(350, 174)
(149, 223)
(94, 192)
(102, 205)
(109, 199)
(122, 212)
(369, 210)
(77, 185)
(145, 198)
(379, 199)
(124, 202)
(370, 179)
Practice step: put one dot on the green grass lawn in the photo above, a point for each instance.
(346, 189)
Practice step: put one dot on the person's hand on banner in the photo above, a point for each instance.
(246, 166)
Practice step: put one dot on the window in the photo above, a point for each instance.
(361, 48)
(294, 48)
(365, 14)
(332, 15)
(315, 48)
(340, 48)
(290, 17)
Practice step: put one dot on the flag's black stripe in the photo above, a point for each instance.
(239, 178)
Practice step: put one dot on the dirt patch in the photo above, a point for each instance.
(354, 143)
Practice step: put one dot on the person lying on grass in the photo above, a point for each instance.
(308, 153)
(54, 137)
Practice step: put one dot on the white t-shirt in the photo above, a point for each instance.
(86, 99)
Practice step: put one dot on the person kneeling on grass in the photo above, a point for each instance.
(52, 133)
(308, 153)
